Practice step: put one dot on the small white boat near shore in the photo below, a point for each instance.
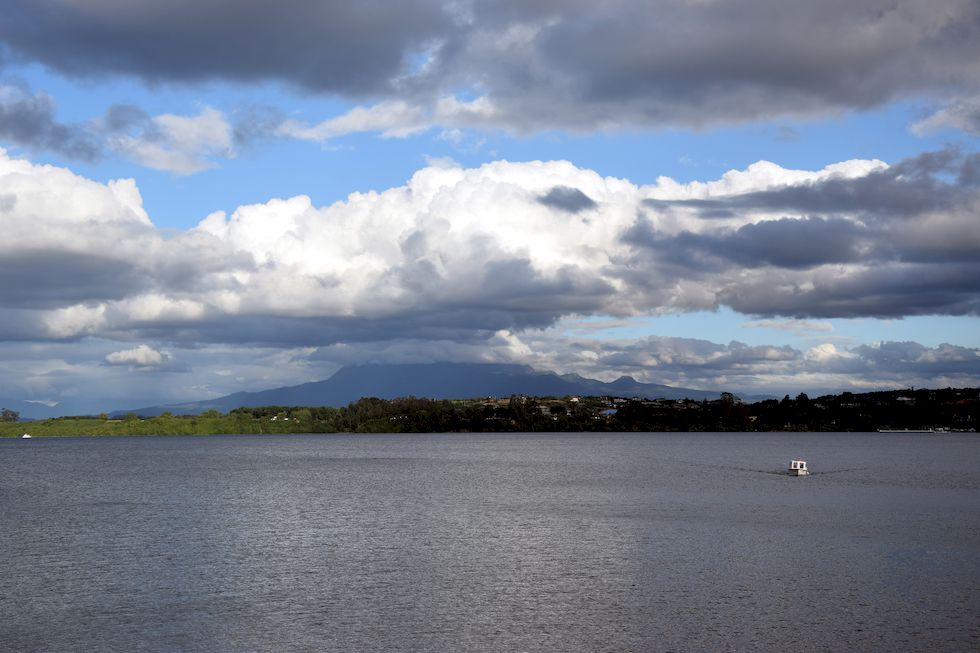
(798, 468)
(26, 435)
(906, 430)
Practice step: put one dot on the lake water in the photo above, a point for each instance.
(524, 542)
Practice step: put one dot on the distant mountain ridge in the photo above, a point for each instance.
(430, 380)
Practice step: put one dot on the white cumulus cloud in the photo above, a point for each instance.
(141, 356)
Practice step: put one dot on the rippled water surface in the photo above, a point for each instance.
(591, 542)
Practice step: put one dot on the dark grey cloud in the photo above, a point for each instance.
(335, 46)
(30, 120)
(625, 62)
(513, 295)
(786, 243)
(298, 331)
(684, 255)
(884, 290)
(459, 326)
(544, 64)
(792, 243)
(517, 286)
(565, 198)
(55, 278)
(18, 324)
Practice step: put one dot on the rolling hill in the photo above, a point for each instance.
(432, 380)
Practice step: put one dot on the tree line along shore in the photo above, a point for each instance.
(953, 409)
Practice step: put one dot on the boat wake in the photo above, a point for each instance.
(839, 471)
(777, 472)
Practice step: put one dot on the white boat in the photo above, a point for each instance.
(26, 435)
(798, 468)
(906, 430)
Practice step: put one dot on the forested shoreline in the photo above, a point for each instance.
(946, 409)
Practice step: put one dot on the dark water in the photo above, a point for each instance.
(502, 542)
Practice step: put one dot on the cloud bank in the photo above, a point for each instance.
(461, 254)
(697, 363)
(532, 65)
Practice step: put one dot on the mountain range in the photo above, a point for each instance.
(430, 380)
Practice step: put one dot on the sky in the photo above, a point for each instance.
(200, 197)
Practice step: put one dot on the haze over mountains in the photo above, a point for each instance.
(434, 381)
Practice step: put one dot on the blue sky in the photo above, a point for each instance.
(705, 194)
